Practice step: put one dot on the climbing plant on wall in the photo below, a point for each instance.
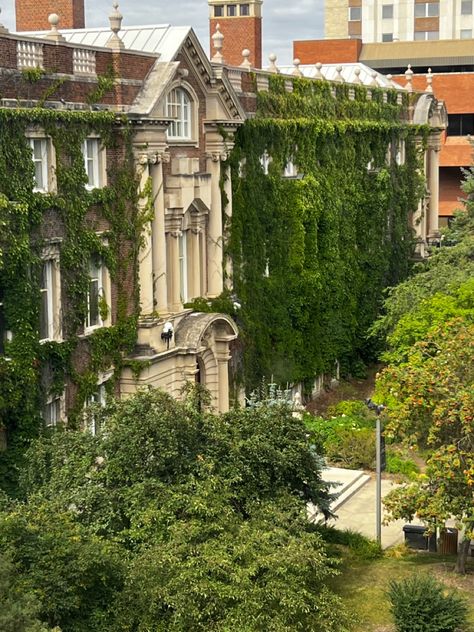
(30, 370)
(312, 253)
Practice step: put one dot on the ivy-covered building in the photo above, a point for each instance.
(155, 204)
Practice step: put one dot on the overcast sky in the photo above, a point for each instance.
(283, 20)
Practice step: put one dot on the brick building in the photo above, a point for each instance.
(155, 105)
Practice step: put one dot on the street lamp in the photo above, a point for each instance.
(378, 408)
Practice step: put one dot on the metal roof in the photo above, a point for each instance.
(432, 52)
(163, 39)
(330, 72)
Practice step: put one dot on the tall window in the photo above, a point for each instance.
(94, 294)
(178, 107)
(91, 153)
(97, 398)
(387, 11)
(52, 412)
(466, 7)
(183, 267)
(47, 301)
(244, 9)
(39, 148)
(231, 10)
(219, 11)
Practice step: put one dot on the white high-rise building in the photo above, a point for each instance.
(403, 20)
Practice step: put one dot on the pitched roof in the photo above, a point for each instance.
(329, 72)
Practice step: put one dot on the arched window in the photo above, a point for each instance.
(179, 108)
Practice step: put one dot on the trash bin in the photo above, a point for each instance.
(448, 541)
(415, 538)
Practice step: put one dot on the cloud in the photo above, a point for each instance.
(283, 21)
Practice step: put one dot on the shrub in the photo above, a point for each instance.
(396, 464)
(354, 449)
(362, 547)
(349, 407)
(421, 604)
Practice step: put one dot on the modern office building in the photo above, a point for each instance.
(397, 20)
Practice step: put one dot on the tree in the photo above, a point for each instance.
(429, 384)
(175, 519)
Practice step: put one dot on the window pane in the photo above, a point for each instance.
(3, 327)
(420, 10)
(244, 9)
(218, 12)
(46, 305)
(433, 35)
(178, 106)
(387, 37)
(52, 412)
(355, 13)
(231, 10)
(93, 302)
(420, 35)
(433, 9)
(466, 7)
(466, 33)
(387, 11)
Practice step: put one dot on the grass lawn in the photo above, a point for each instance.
(362, 585)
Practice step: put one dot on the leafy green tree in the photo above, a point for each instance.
(175, 519)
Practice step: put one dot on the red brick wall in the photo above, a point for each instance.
(32, 15)
(336, 51)
(239, 33)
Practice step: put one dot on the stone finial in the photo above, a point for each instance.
(273, 67)
(357, 78)
(339, 78)
(246, 61)
(374, 83)
(319, 74)
(429, 81)
(389, 77)
(54, 34)
(297, 72)
(217, 42)
(409, 78)
(3, 29)
(115, 19)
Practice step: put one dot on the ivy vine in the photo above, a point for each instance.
(77, 359)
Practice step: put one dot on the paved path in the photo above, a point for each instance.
(358, 514)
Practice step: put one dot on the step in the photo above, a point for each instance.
(350, 481)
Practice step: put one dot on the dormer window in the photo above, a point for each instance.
(179, 108)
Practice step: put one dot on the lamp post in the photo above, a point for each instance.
(378, 408)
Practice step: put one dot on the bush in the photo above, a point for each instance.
(349, 407)
(354, 449)
(397, 464)
(362, 547)
(421, 604)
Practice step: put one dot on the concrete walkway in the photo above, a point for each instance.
(358, 514)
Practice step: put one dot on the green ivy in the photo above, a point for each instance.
(22, 213)
(311, 255)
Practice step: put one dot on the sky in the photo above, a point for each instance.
(283, 20)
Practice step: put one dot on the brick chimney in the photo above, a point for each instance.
(240, 23)
(32, 15)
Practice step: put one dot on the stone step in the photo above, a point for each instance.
(350, 482)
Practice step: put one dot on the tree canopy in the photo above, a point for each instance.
(173, 519)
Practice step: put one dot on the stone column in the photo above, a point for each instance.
(173, 271)
(228, 212)
(145, 255)
(195, 271)
(159, 237)
(223, 358)
(434, 146)
(214, 236)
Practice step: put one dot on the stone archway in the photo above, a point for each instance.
(207, 338)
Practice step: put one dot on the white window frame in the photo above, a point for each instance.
(53, 410)
(421, 36)
(466, 4)
(99, 398)
(265, 160)
(93, 157)
(3, 327)
(98, 270)
(387, 8)
(183, 266)
(47, 290)
(179, 107)
(42, 161)
(52, 290)
(358, 11)
(290, 170)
